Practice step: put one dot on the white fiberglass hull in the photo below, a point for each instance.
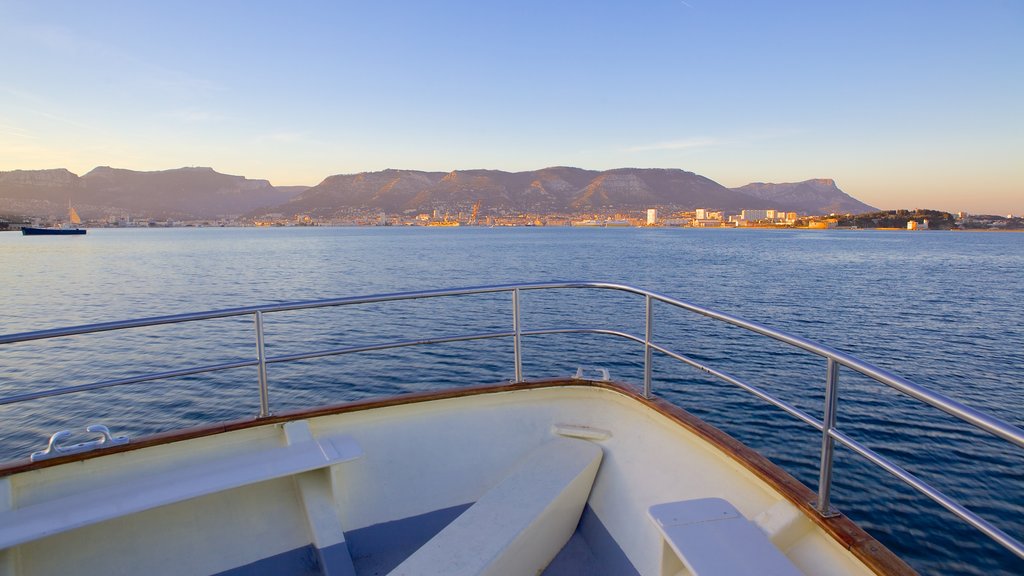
(373, 481)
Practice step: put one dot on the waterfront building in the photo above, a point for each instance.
(707, 223)
(652, 216)
(820, 224)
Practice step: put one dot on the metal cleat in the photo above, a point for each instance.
(53, 450)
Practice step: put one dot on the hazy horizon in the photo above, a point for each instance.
(913, 105)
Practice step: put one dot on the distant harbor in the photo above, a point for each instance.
(648, 218)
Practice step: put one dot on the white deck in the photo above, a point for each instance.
(416, 459)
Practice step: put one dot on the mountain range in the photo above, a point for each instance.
(183, 193)
(821, 193)
(187, 193)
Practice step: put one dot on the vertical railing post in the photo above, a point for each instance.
(261, 355)
(827, 443)
(517, 335)
(648, 332)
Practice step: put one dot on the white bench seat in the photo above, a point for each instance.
(711, 538)
(97, 504)
(519, 525)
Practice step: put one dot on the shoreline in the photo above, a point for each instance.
(837, 229)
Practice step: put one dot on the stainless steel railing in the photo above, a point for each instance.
(827, 425)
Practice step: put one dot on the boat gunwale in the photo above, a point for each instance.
(840, 528)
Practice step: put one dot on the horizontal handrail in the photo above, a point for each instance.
(970, 415)
(247, 310)
(976, 417)
(385, 346)
(836, 358)
(784, 406)
(296, 357)
(923, 487)
(125, 381)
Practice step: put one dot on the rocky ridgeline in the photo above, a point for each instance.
(180, 194)
(821, 192)
(186, 193)
(558, 189)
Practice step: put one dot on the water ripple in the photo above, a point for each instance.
(941, 309)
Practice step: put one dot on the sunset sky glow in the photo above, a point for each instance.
(905, 104)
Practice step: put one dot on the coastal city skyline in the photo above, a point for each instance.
(916, 108)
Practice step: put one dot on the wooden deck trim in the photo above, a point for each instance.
(24, 464)
(843, 530)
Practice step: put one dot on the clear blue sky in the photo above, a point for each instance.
(905, 104)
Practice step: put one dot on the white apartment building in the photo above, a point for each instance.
(756, 214)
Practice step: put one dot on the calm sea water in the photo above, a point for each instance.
(941, 308)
